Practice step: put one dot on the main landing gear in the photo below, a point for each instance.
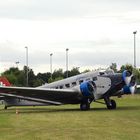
(111, 104)
(85, 104)
(5, 107)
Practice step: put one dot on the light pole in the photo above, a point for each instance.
(134, 48)
(17, 62)
(26, 65)
(67, 62)
(51, 64)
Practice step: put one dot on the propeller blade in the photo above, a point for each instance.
(127, 80)
(132, 85)
(130, 82)
(132, 89)
(127, 75)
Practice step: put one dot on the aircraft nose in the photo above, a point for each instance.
(127, 77)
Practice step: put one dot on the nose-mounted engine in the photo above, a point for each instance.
(130, 82)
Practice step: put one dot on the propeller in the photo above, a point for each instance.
(133, 85)
(130, 82)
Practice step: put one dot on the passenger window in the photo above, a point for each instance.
(73, 83)
(67, 85)
(61, 87)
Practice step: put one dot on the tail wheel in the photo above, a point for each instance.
(112, 105)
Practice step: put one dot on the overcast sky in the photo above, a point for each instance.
(97, 33)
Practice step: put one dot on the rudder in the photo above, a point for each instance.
(4, 81)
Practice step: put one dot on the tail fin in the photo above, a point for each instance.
(4, 82)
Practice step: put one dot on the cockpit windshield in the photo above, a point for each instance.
(110, 72)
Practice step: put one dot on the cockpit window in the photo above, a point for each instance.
(109, 72)
(101, 73)
(87, 79)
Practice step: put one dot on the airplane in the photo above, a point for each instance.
(81, 89)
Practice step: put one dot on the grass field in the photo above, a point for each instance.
(67, 122)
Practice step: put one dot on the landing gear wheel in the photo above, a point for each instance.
(112, 105)
(84, 106)
(5, 107)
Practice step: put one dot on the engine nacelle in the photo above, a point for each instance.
(126, 90)
(88, 88)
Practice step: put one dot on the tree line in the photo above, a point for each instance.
(18, 77)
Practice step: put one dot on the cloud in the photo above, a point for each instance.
(39, 9)
(97, 33)
(81, 54)
(44, 9)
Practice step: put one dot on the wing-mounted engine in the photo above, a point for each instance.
(86, 92)
(130, 82)
(86, 89)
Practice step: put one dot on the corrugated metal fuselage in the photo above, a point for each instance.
(104, 84)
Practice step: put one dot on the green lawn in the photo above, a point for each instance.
(67, 122)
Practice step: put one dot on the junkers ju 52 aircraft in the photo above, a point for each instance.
(82, 89)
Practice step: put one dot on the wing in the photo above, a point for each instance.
(43, 95)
